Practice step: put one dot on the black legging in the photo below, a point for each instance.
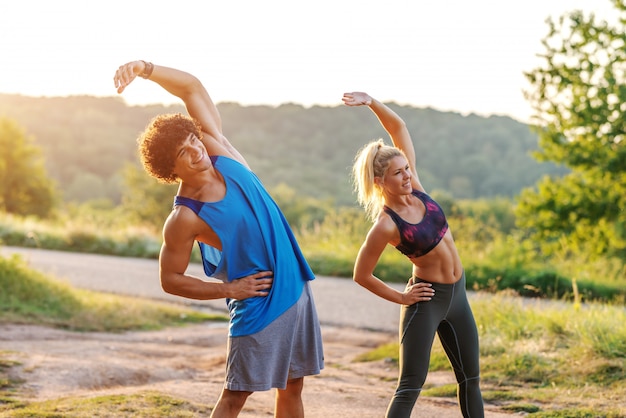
(449, 315)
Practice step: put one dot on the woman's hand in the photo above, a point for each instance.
(357, 98)
(126, 73)
(420, 292)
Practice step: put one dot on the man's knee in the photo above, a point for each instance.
(289, 400)
(294, 387)
(234, 398)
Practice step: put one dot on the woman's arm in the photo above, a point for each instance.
(392, 123)
(366, 261)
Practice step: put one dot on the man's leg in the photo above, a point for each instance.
(229, 403)
(289, 400)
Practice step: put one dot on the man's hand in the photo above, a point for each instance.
(126, 73)
(257, 284)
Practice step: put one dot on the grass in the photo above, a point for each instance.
(560, 359)
(494, 261)
(140, 405)
(544, 359)
(80, 235)
(29, 297)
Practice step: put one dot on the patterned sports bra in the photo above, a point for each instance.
(418, 239)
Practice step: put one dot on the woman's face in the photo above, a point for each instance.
(397, 178)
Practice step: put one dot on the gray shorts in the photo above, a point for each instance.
(288, 348)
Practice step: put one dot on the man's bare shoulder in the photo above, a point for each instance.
(182, 221)
(183, 225)
(181, 213)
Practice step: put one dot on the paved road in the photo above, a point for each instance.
(339, 301)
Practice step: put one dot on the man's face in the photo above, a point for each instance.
(191, 157)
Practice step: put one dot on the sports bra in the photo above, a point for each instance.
(418, 239)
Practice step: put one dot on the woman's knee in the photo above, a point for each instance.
(410, 385)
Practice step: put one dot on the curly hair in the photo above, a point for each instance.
(159, 143)
(372, 161)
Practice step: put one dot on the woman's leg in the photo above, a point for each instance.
(459, 336)
(418, 325)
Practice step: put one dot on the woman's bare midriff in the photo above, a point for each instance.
(441, 265)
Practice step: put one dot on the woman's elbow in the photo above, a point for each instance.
(358, 279)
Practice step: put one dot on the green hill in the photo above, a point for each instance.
(87, 140)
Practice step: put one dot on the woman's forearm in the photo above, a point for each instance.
(391, 122)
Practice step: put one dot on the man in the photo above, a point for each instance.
(246, 243)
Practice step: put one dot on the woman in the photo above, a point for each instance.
(434, 300)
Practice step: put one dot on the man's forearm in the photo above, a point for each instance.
(179, 83)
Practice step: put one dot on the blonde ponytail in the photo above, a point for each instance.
(370, 162)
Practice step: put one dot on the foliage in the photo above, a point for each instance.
(494, 214)
(88, 141)
(300, 210)
(145, 200)
(578, 96)
(85, 140)
(493, 260)
(24, 186)
(77, 230)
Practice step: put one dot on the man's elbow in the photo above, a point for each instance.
(167, 284)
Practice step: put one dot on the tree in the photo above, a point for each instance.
(145, 200)
(24, 186)
(579, 103)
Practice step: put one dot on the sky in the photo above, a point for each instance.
(451, 55)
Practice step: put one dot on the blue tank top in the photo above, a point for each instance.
(418, 239)
(255, 237)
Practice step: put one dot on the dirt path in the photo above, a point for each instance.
(189, 362)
